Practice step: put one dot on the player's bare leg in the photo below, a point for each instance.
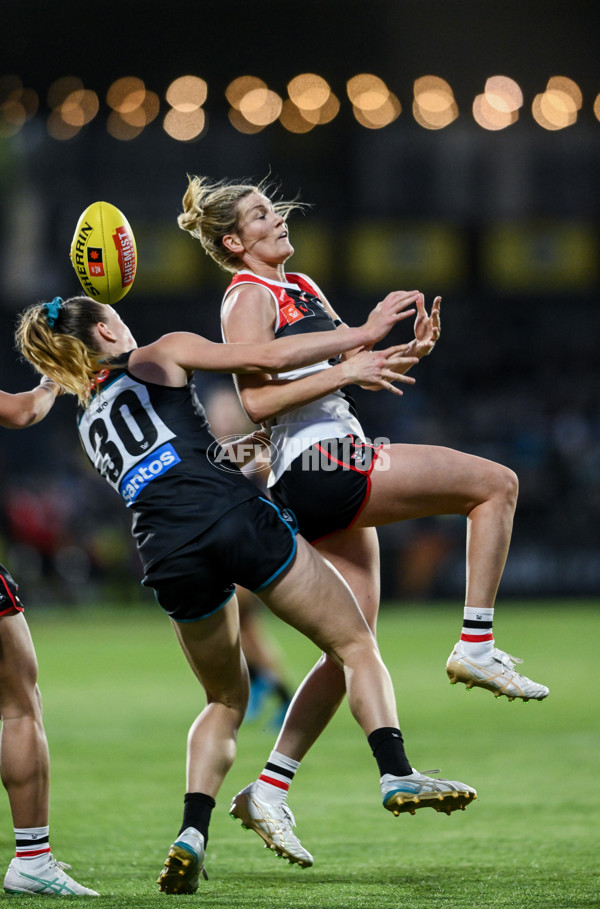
(212, 648)
(25, 762)
(355, 555)
(25, 768)
(313, 598)
(415, 481)
(409, 481)
(423, 480)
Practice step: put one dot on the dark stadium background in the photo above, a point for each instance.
(515, 376)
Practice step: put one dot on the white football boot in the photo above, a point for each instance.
(496, 672)
(184, 863)
(273, 823)
(44, 876)
(407, 793)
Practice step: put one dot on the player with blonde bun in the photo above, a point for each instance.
(339, 486)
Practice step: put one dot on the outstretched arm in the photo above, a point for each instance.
(25, 408)
(272, 356)
(251, 316)
(167, 360)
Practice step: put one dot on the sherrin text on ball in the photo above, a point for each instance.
(103, 252)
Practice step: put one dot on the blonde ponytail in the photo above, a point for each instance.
(60, 343)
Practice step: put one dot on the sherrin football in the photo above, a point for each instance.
(103, 252)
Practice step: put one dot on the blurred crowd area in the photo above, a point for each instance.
(504, 227)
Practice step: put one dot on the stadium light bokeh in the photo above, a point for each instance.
(254, 105)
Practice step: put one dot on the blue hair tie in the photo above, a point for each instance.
(52, 311)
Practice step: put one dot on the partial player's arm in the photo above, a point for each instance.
(17, 411)
(188, 352)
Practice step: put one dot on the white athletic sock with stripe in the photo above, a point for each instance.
(477, 636)
(32, 843)
(274, 781)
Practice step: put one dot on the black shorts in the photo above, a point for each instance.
(252, 544)
(327, 486)
(10, 603)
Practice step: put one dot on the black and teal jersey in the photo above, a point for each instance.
(153, 445)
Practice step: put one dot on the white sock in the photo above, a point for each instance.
(32, 843)
(477, 636)
(274, 782)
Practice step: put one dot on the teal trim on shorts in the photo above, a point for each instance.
(292, 554)
(201, 617)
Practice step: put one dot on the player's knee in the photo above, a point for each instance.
(20, 698)
(508, 485)
(360, 650)
(234, 699)
(229, 710)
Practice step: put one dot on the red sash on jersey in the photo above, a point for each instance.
(288, 309)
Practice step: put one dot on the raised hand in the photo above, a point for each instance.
(392, 309)
(427, 327)
(376, 369)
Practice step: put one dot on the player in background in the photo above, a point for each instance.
(340, 488)
(24, 759)
(201, 528)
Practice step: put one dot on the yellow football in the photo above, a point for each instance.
(103, 252)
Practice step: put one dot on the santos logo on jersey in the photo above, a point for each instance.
(147, 470)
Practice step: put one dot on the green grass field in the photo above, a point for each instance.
(119, 698)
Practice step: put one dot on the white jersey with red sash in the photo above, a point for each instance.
(299, 310)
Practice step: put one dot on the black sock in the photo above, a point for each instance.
(387, 746)
(197, 809)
